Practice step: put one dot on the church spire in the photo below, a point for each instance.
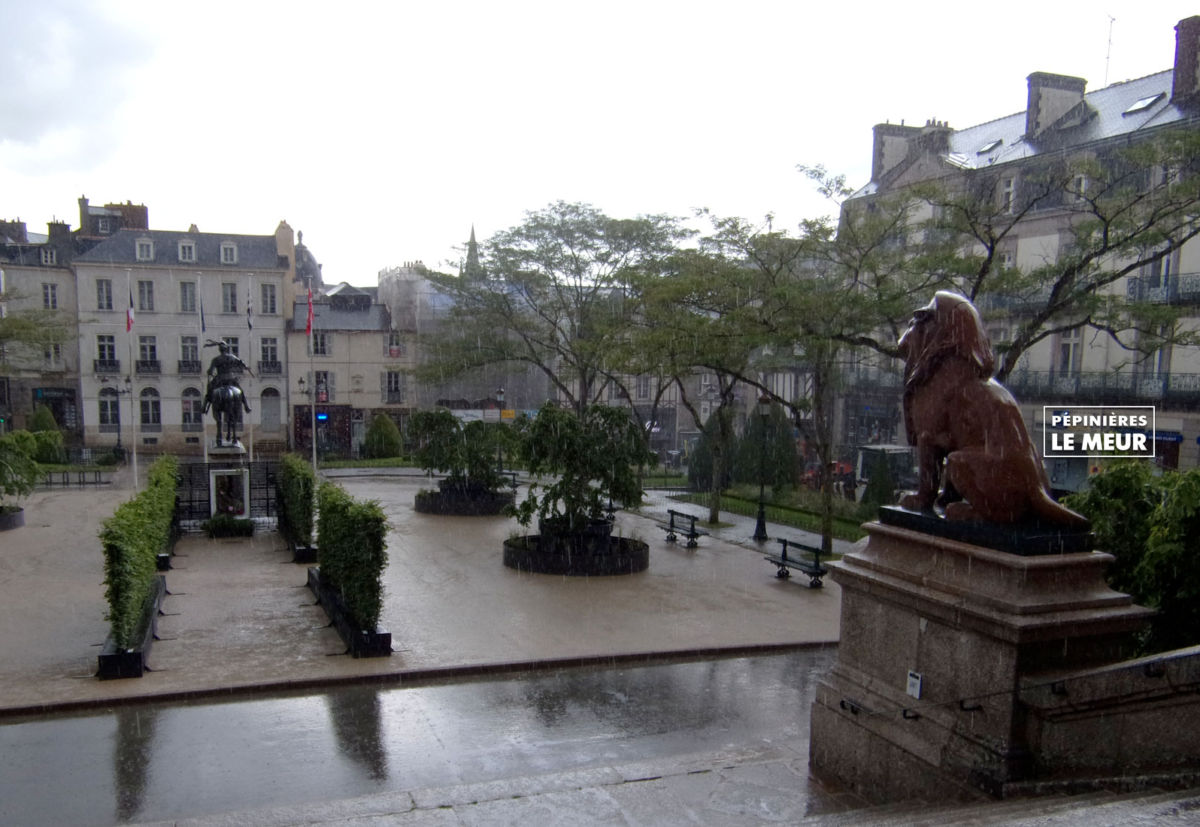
(472, 269)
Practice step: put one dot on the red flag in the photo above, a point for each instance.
(308, 326)
(129, 313)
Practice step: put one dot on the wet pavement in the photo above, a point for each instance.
(251, 702)
(720, 741)
(238, 615)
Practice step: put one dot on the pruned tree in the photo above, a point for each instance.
(557, 297)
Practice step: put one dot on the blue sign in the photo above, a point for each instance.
(321, 417)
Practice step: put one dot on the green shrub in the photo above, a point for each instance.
(297, 485)
(351, 540)
(132, 538)
(227, 525)
(50, 447)
(42, 419)
(383, 439)
(881, 487)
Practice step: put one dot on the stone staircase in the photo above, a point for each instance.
(1093, 809)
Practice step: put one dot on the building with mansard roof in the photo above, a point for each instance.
(1063, 122)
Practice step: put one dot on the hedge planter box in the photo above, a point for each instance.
(11, 517)
(575, 556)
(360, 643)
(302, 553)
(131, 663)
(460, 504)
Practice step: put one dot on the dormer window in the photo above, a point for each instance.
(228, 252)
(145, 249)
(49, 256)
(989, 146)
(1143, 104)
(103, 226)
(187, 251)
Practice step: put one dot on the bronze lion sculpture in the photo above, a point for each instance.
(975, 457)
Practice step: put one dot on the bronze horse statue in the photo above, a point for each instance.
(227, 404)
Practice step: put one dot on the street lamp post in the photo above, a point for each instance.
(499, 413)
(764, 412)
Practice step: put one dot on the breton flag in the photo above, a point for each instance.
(129, 313)
(203, 326)
(308, 325)
(249, 308)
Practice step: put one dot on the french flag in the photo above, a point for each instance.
(129, 313)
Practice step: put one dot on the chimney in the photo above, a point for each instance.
(891, 147)
(85, 226)
(1185, 81)
(1050, 97)
(14, 231)
(58, 231)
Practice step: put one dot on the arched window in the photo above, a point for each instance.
(269, 409)
(193, 404)
(151, 410)
(110, 411)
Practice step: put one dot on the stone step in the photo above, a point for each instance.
(1084, 810)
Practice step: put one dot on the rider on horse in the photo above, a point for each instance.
(223, 371)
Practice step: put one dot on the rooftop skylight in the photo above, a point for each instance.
(1143, 104)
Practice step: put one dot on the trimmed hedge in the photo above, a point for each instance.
(351, 537)
(297, 486)
(132, 538)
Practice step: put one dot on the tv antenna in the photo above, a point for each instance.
(1108, 54)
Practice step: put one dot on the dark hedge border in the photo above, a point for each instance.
(132, 538)
(352, 551)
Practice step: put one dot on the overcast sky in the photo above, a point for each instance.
(385, 131)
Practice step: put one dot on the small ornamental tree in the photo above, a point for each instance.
(595, 458)
(382, 439)
(466, 453)
(18, 471)
(1148, 522)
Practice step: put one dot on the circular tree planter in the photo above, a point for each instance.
(576, 555)
(11, 517)
(463, 504)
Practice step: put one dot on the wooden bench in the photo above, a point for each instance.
(806, 558)
(674, 529)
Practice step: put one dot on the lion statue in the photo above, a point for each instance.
(974, 454)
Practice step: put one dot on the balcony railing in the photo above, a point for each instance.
(190, 366)
(106, 365)
(393, 397)
(270, 368)
(191, 427)
(148, 366)
(1106, 386)
(1182, 288)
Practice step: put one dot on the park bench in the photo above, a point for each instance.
(674, 526)
(804, 557)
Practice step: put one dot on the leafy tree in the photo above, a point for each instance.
(18, 471)
(465, 453)
(383, 438)
(701, 467)
(557, 298)
(594, 458)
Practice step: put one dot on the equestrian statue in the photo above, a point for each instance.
(224, 394)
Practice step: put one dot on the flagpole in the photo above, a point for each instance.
(250, 353)
(200, 350)
(132, 373)
(312, 408)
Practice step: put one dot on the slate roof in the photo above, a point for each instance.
(328, 318)
(1106, 120)
(254, 252)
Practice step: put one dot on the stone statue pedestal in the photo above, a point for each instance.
(226, 450)
(937, 638)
